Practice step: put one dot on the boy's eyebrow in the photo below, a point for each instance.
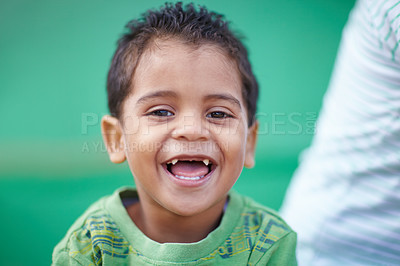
(169, 93)
(156, 94)
(224, 96)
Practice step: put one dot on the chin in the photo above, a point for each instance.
(190, 208)
(187, 210)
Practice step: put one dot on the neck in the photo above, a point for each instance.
(164, 226)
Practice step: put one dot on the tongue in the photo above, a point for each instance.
(189, 169)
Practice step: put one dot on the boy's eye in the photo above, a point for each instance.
(218, 115)
(161, 113)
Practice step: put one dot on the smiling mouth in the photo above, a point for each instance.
(190, 169)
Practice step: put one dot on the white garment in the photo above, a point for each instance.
(344, 200)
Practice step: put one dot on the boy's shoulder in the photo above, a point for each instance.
(95, 227)
(262, 212)
(262, 225)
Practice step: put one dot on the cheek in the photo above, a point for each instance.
(234, 147)
(141, 152)
(233, 137)
(140, 133)
(131, 125)
(144, 146)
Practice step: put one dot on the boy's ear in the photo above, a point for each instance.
(249, 160)
(113, 138)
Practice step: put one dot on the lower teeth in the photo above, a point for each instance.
(189, 178)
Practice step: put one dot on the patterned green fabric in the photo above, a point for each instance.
(249, 234)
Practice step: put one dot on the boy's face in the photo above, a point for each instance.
(185, 110)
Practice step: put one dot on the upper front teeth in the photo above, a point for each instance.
(205, 161)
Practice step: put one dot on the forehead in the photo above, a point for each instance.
(171, 48)
(174, 63)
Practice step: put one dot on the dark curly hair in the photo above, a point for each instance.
(194, 26)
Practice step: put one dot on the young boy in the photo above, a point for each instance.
(183, 99)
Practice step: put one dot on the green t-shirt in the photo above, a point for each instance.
(249, 234)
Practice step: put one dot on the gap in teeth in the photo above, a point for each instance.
(174, 161)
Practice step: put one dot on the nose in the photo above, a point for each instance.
(191, 127)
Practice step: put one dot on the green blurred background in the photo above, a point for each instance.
(54, 56)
